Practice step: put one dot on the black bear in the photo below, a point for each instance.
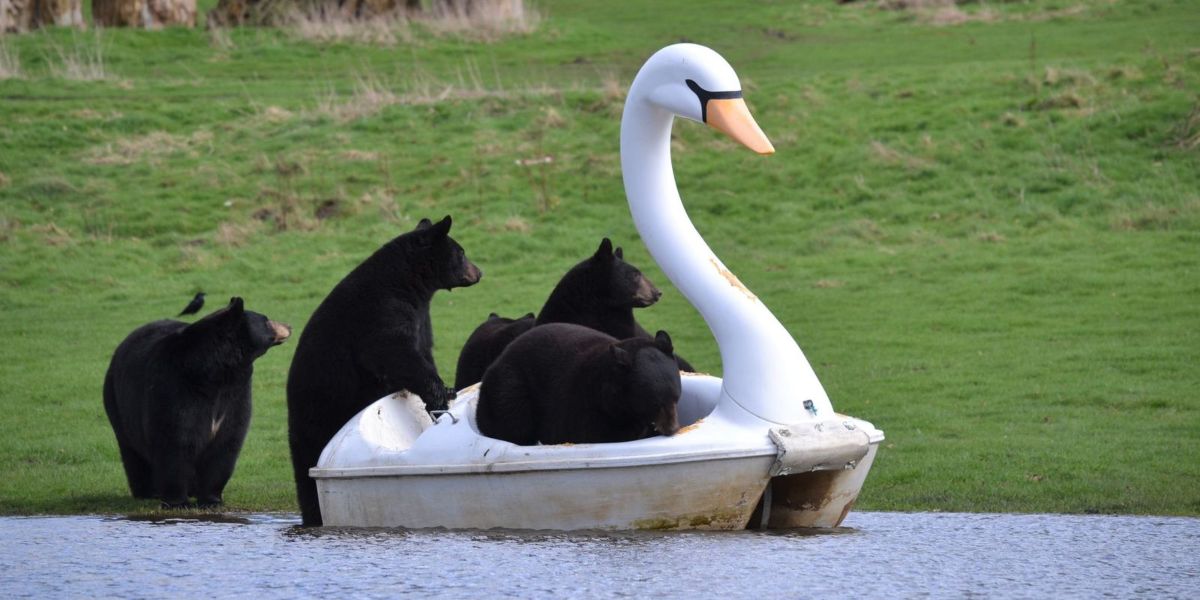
(600, 292)
(370, 337)
(485, 344)
(563, 383)
(178, 399)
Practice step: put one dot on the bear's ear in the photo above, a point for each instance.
(423, 224)
(605, 251)
(493, 316)
(529, 316)
(236, 306)
(619, 253)
(621, 356)
(663, 342)
(440, 229)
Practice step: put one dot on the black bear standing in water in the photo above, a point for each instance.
(600, 292)
(178, 399)
(370, 337)
(563, 383)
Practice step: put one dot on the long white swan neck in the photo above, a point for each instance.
(765, 371)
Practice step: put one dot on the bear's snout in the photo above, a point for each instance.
(646, 294)
(667, 422)
(473, 274)
(282, 332)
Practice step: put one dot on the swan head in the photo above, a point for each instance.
(696, 83)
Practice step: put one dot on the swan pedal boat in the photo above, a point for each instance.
(760, 448)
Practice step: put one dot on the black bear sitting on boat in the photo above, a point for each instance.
(486, 343)
(563, 383)
(370, 337)
(600, 292)
(178, 399)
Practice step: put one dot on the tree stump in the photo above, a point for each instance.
(144, 13)
(22, 15)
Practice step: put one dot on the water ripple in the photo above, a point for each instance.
(876, 554)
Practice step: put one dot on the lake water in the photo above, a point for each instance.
(875, 555)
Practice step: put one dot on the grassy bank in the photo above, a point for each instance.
(983, 227)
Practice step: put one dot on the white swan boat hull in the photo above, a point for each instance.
(763, 447)
(392, 467)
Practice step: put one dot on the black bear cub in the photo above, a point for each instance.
(178, 399)
(563, 383)
(600, 292)
(370, 337)
(485, 344)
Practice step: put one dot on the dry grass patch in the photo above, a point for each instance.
(152, 147)
(385, 202)
(359, 155)
(892, 157)
(52, 234)
(1064, 89)
(275, 114)
(1125, 73)
(939, 12)
(10, 63)
(1011, 119)
(290, 212)
(551, 119)
(1057, 13)
(219, 39)
(828, 283)
(80, 62)
(1156, 217)
(1069, 99)
(195, 256)
(949, 12)
(516, 224)
(1186, 134)
(384, 30)
(480, 20)
(913, 4)
(1054, 76)
(236, 235)
(8, 228)
(370, 96)
(612, 89)
(86, 114)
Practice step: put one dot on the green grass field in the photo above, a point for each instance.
(985, 235)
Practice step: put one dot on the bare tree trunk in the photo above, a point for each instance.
(23, 15)
(13, 16)
(144, 13)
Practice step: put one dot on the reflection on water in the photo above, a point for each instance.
(874, 555)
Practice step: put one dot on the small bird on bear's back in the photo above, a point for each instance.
(194, 306)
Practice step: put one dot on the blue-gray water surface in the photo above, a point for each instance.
(875, 554)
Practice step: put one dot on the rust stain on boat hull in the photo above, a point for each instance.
(732, 279)
(817, 498)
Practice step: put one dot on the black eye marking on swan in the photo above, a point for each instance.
(705, 95)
